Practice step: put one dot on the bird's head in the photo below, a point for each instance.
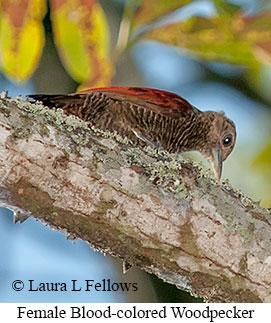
(220, 139)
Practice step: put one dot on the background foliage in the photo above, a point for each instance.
(81, 35)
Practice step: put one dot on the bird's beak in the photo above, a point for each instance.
(216, 161)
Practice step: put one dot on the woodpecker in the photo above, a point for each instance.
(151, 117)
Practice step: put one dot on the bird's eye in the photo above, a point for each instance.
(227, 140)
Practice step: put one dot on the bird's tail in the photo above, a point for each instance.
(55, 100)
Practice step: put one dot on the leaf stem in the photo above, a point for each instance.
(124, 30)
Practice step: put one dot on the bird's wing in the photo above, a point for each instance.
(162, 102)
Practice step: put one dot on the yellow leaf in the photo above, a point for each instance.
(81, 35)
(21, 37)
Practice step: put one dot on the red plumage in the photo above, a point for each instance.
(163, 99)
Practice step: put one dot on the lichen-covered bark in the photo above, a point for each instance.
(165, 216)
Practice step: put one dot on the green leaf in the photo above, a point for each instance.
(82, 36)
(259, 79)
(224, 6)
(262, 164)
(21, 37)
(263, 161)
(225, 38)
(150, 10)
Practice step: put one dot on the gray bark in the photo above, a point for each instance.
(165, 216)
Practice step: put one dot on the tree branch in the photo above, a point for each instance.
(165, 216)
